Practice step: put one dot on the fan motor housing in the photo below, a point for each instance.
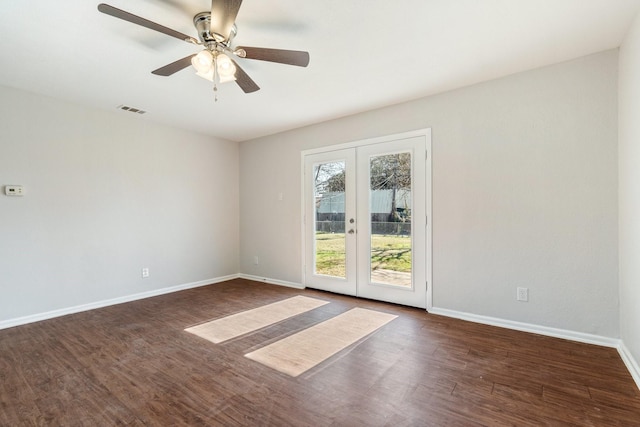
(202, 22)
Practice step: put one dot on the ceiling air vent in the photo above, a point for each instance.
(130, 109)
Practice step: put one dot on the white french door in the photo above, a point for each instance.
(329, 218)
(365, 220)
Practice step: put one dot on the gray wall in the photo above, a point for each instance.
(524, 194)
(629, 182)
(108, 194)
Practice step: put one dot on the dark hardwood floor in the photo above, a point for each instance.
(132, 364)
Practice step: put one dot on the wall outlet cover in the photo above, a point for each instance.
(14, 190)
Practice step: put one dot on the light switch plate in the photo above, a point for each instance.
(14, 190)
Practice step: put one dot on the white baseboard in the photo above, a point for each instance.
(10, 323)
(527, 327)
(630, 362)
(271, 281)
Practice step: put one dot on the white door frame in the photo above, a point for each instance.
(428, 197)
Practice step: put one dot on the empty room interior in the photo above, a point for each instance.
(320, 213)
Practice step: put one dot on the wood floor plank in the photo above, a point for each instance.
(133, 364)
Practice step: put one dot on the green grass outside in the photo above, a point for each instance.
(388, 252)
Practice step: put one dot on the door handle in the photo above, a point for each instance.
(351, 231)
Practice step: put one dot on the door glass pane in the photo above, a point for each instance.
(330, 243)
(390, 210)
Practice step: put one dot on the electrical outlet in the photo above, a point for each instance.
(256, 260)
(145, 273)
(523, 294)
(14, 190)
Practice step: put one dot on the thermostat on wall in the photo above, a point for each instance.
(14, 190)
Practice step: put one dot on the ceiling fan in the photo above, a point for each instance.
(216, 31)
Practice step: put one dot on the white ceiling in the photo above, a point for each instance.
(365, 54)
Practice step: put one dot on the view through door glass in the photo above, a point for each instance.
(330, 244)
(390, 210)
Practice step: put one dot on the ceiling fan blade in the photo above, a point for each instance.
(118, 13)
(289, 57)
(174, 67)
(244, 81)
(223, 16)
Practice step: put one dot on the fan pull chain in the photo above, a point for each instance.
(215, 78)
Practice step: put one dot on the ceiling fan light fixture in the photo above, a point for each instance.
(222, 68)
(203, 62)
(226, 67)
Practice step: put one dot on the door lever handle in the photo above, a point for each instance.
(352, 231)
